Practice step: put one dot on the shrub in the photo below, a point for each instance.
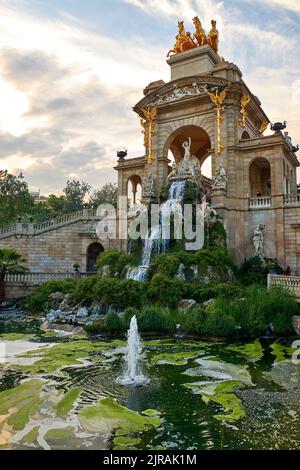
(119, 293)
(96, 327)
(218, 321)
(114, 322)
(193, 320)
(164, 291)
(116, 260)
(84, 291)
(167, 264)
(37, 301)
(153, 318)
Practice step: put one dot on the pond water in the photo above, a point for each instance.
(62, 393)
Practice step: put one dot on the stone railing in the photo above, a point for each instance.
(291, 199)
(36, 279)
(8, 230)
(260, 202)
(20, 230)
(291, 283)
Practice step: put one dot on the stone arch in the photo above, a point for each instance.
(93, 251)
(201, 141)
(260, 180)
(136, 188)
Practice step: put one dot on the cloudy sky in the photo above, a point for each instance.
(71, 70)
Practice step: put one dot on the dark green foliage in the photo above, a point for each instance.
(84, 291)
(191, 193)
(108, 194)
(209, 322)
(164, 291)
(167, 264)
(96, 327)
(116, 260)
(15, 200)
(37, 301)
(135, 250)
(153, 318)
(119, 293)
(163, 195)
(253, 271)
(216, 236)
(114, 323)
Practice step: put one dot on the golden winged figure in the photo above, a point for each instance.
(218, 98)
(245, 101)
(150, 114)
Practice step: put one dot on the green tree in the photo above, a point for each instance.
(10, 262)
(15, 199)
(75, 194)
(107, 194)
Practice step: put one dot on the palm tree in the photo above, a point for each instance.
(10, 263)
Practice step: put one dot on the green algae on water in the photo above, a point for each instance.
(175, 359)
(66, 404)
(107, 415)
(253, 351)
(59, 434)
(16, 336)
(20, 403)
(281, 352)
(126, 443)
(222, 394)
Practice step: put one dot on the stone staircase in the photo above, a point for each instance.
(19, 229)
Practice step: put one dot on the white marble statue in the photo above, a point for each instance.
(209, 213)
(288, 140)
(189, 167)
(220, 178)
(258, 241)
(148, 186)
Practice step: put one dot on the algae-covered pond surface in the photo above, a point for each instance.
(61, 393)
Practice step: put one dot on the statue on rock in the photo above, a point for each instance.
(184, 41)
(188, 168)
(258, 241)
(199, 35)
(220, 179)
(148, 186)
(213, 37)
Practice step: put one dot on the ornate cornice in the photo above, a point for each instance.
(180, 90)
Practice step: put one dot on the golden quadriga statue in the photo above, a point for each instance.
(184, 40)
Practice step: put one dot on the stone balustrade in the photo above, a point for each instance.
(260, 202)
(36, 279)
(291, 199)
(23, 230)
(291, 283)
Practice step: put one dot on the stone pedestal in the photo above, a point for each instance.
(193, 62)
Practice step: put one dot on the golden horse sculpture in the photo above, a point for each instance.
(199, 35)
(184, 41)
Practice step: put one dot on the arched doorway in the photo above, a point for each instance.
(134, 189)
(260, 178)
(93, 252)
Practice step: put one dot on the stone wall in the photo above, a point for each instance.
(58, 249)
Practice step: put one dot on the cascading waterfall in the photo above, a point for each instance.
(157, 239)
(133, 374)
